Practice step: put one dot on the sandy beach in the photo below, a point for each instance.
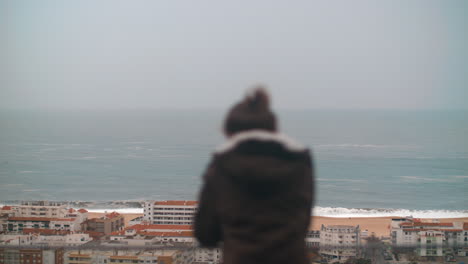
(377, 225)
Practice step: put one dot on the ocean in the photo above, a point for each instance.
(367, 162)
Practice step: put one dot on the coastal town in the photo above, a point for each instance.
(53, 232)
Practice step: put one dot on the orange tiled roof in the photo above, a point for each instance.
(465, 226)
(179, 203)
(71, 210)
(82, 210)
(433, 229)
(426, 224)
(168, 234)
(6, 207)
(112, 215)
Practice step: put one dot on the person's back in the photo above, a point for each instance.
(258, 191)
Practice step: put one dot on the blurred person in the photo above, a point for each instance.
(258, 189)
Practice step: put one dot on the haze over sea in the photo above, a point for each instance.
(385, 162)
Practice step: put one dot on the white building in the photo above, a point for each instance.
(339, 242)
(44, 239)
(208, 255)
(313, 239)
(170, 212)
(41, 209)
(18, 224)
(431, 239)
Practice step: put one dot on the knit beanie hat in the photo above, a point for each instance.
(253, 112)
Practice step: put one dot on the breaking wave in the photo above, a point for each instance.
(136, 207)
(382, 212)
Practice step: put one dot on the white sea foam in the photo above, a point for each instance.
(344, 212)
(364, 212)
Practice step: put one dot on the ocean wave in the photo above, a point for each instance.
(341, 212)
(345, 212)
(136, 206)
(382, 212)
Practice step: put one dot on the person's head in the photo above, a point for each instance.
(253, 112)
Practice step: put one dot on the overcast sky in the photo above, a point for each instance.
(204, 54)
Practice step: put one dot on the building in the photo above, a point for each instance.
(81, 214)
(17, 224)
(41, 215)
(144, 235)
(44, 237)
(41, 209)
(313, 239)
(107, 224)
(431, 239)
(8, 210)
(136, 221)
(30, 256)
(339, 242)
(208, 256)
(170, 212)
(168, 256)
(178, 235)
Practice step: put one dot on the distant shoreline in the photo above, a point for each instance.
(377, 225)
(136, 207)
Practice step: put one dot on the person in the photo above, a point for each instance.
(257, 191)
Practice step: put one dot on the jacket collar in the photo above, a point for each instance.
(261, 135)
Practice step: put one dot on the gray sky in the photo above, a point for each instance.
(204, 54)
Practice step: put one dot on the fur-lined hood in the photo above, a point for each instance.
(262, 162)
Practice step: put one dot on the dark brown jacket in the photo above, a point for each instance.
(256, 198)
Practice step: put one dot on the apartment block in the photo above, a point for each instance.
(313, 239)
(339, 242)
(170, 212)
(431, 239)
(41, 209)
(17, 224)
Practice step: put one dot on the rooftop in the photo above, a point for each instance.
(46, 232)
(421, 224)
